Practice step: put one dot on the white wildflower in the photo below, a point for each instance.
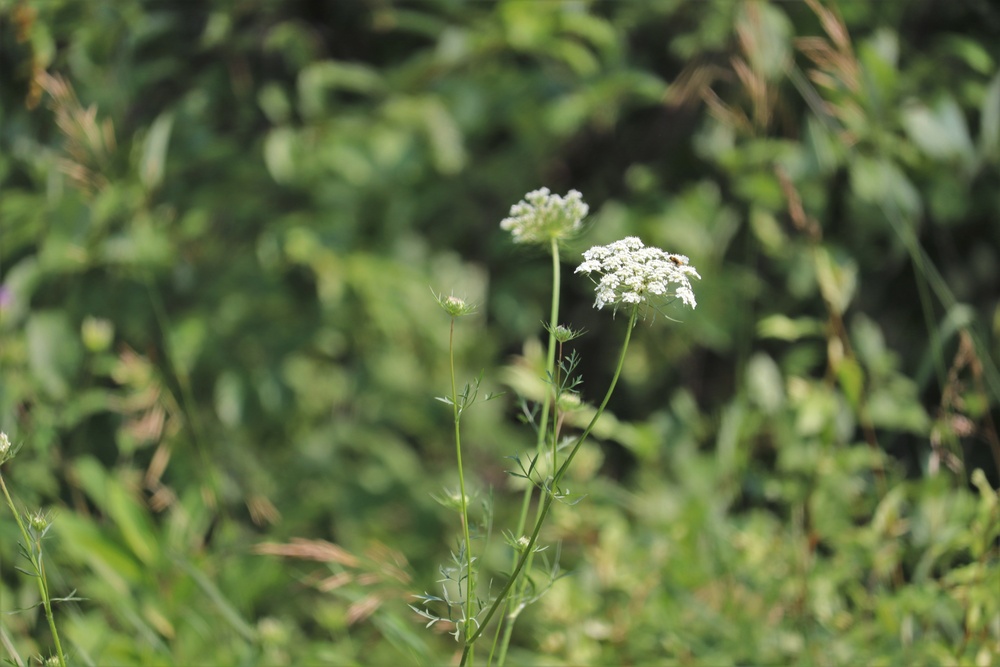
(543, 216)
(632, 273)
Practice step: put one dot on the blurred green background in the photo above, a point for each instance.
(220, 225)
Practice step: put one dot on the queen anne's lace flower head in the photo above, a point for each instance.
(543, 216)
(631, 273)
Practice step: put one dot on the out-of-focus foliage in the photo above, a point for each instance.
(220, 227)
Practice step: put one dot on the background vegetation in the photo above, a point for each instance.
(219, 222)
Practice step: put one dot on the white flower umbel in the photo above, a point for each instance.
(543, 216)
(631, 273)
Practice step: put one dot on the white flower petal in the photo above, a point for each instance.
(630, 272)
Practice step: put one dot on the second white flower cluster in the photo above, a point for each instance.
(631, 273)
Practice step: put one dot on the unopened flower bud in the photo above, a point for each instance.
(455, 306)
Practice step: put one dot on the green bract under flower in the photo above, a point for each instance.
(563, 333)
(455, 306)
(631, 273)
(39, 521)
(543, 216)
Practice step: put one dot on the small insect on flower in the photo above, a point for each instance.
(679, 260)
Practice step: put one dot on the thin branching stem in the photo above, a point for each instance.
(549, 497)
(457, 411)
(557, 394)
(547, 406)
(33, 549)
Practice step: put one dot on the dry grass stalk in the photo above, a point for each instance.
(90, 146)
(696, 82)
(381, 571)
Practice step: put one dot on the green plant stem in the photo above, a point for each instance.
(469, 580)
(550, 358)
(522, 585)
(496, 643)
(508, 631)
(547, 400)
(550, 363)
(550, 496)
(32, 548)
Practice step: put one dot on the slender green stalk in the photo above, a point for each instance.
(607, 397)
(496, 641)
(550, 497)
(550, 358)
(469, 579)
(34, 552)
(547, 406)
(557, 383)
(550, 362)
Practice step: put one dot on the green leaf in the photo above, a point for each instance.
(765, 385)
(971, 51)
(279, 154)
(881, 182)
(154, 151)
(218, 598)
(319, 79)
(786, 328)
(989, 134)
(896, 407)
(940, 131)
(54, 351)
(187, 340)
(274, 103)
(229, 391)
(85, 541)
(837, 278)
(852, 379)
(129, 517)
(444, 137)
(765, 227)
